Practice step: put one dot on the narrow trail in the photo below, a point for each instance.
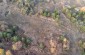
(72, 34)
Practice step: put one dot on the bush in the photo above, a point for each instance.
(1, 34)
(74, 15)
(64, 10)
(23, 39)
(9, 35)
(23, 10)
(15, 38)
(5, 35)
(83, 53)
(41, 45)
(61, 38)
(82, 28)
(55, 14)
(28, 40)
(14, 28)
(73, 19)
(10, 32)
(69, 14)
(26, 6)
(46, 13)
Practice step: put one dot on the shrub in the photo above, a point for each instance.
(74, 14)
(61, 38)
(73, 19)
(5, 35)
(15, 38)
(41, 45)
(83, 53)
(1, 34)
(28, 40)
(26, 6)
(69, 14)
(14, 28)
(77, 17)
(64, 10)
(82, 28)
(10, 32)
(23, 10)
(9, 35)
(46, 13)
(55, 14)
(23, 39)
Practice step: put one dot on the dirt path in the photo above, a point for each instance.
(72, 33)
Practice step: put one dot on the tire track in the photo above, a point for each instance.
(72, 33)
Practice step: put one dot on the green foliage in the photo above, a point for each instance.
(83, 53)
(55, 14)
(14, 28)
(24, 9)
(73, 19)
(9, 30)
(23, 39)
(74, 14)
(29, 10)
(1, 34)
(82, 28)
(29, 2)
(26, 6)
(10, 34)
(80, 43)
(41, 45)
(61, 38)
(28, 40)
(46, 13)
(15, 38)
(64, 10)
(5, 34)
(67, 12)
(77, 17)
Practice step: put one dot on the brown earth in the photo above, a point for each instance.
(42, 29)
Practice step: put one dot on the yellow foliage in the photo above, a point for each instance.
(2, 52)
(83, 45)
(65, 40)
(82, 9)
(14, 47)
(52, 46)
(52, 43)
(65, 44)
(17, 45)
(8, 52)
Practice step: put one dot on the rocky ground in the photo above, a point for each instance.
(43, 29)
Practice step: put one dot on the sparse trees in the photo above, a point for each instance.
(55, 14)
